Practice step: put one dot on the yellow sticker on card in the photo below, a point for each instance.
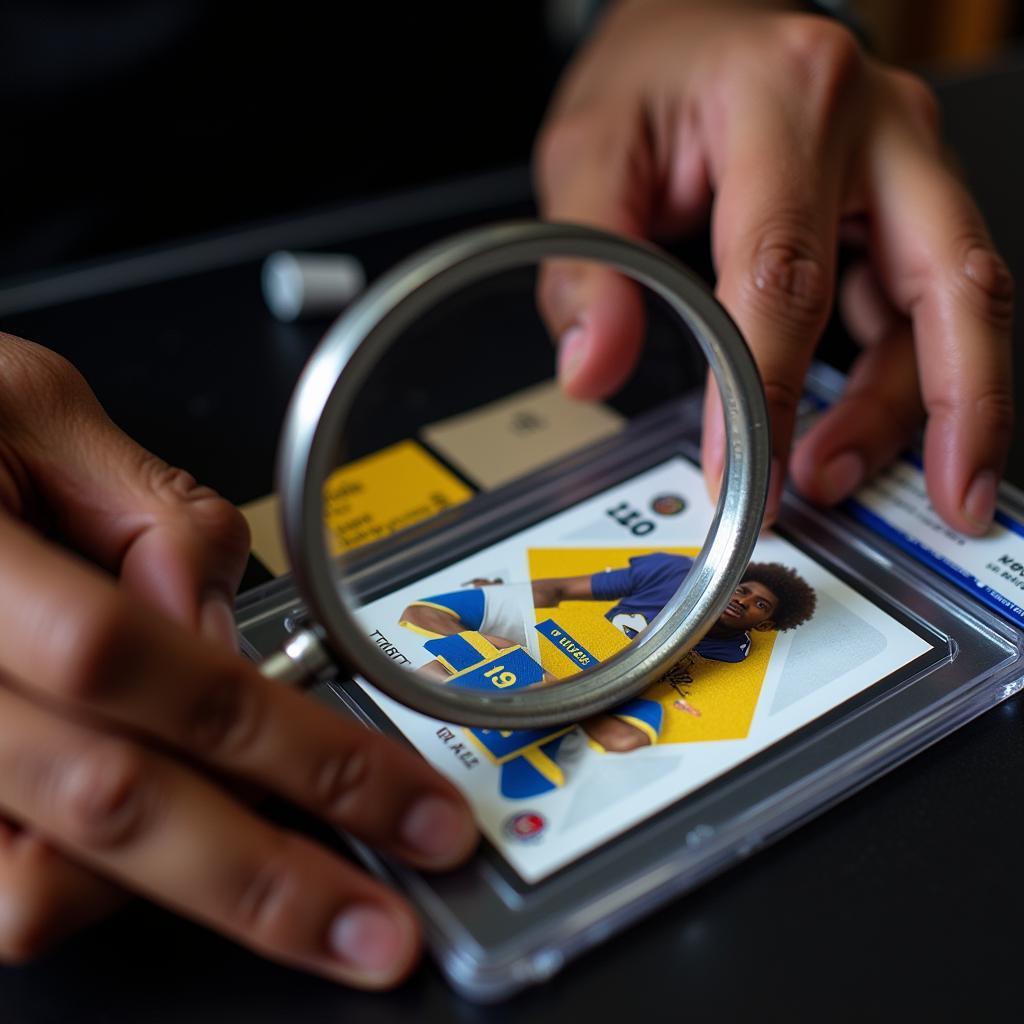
(388, 491)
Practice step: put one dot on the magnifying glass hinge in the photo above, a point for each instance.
(301, 662)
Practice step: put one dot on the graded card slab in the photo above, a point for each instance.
(593, 826)
(794, 644)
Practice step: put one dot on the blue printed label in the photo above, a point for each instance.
(990, 568)
(566, 644)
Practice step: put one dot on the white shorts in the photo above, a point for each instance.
(508, 613)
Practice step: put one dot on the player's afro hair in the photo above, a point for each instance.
(796, 596)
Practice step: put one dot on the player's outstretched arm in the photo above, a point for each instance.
(550, 592)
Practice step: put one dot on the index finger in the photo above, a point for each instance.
(70, 635)
(594, 168)
(149, 822)
(774, 231)
(939, 267)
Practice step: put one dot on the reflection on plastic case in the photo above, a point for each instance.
(765, 724)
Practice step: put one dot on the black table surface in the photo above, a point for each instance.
(901, 900)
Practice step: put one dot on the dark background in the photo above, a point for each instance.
(901, 903)
(132, 123)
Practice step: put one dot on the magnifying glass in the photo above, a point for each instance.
(404, 352)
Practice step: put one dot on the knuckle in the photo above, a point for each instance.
(172, 484)
(783, 398)
(266, 893)
(559, 139)
(558, 293)
(820, 51)
(789, 276)
(218, 520)
(568, 139)
(918, 97)
(340, 781)
(226, 718)
(223, 525)
(92, 647)
(994, 408)
(105, 795)
(986, 283)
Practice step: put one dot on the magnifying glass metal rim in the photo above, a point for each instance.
(329, 386)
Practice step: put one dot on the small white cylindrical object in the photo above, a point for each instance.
(306, 284)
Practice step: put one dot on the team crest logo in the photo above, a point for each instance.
(525, 826)
(668, 505)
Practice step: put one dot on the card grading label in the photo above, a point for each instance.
(504, 440)
(385, 492)
(990, 568)
(364, 501)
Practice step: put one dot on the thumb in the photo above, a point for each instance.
(595, 171)
(178, 545)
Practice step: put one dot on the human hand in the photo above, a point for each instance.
(126, 719)
(781, 128)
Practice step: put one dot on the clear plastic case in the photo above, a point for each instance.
(494, 932)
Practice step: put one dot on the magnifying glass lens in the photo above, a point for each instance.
(441, 514)
(442, 509)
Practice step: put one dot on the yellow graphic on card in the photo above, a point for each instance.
(386, 492)
(585, 621)
(703, 700)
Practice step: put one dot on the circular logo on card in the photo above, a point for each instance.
(668, 505)
(525, 826)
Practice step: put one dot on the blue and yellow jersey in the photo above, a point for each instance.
(460, 650)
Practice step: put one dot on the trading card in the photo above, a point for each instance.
(794, 643)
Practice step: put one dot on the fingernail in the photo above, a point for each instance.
(572, 348)
(840, 477)
(367, 937)
(980, 500)
(435, 827)
(713, 458)
(775, 482)
(217, 621)
(713, 481)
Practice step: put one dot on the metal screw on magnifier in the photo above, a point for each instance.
(302, 662)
